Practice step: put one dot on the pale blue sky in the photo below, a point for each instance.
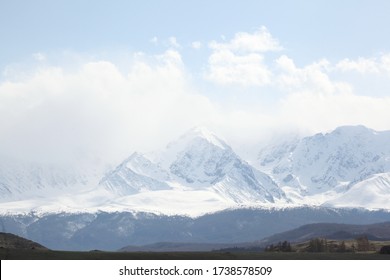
(309, 30)
(109, 77)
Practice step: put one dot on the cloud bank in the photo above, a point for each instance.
(96, 109)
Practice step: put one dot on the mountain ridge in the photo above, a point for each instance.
(199, 173)
(335, 231)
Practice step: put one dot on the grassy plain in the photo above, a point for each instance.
(28, 254)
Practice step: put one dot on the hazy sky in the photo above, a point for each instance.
(105, 78)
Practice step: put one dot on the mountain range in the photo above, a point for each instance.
(330, 231)
(199, 190)
(348, 167)
(199, 173)
(114, 230)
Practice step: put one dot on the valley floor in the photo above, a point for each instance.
(19, 254)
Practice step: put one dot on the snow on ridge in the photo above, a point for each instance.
(196, 134)
(198, 160)
(209, 136)
(370, 193)
(322, 167)
(199, 173)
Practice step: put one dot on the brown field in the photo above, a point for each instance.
(24, 254)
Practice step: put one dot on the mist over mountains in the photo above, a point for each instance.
(199, 173)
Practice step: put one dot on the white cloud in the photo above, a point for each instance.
(316, 102)
(227, 68)
(317, 112)
(362, 65)
(374, 65)
(196, 45)
(173, 42)
(97, 110)
(385, 62)
(313, 77)
(241, 60)
(259, 41)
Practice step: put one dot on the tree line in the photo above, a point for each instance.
(318, 245)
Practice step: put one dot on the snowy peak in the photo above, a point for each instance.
(196, 136)
(196, 161)
(353, 131)
(202, 163)
(325, 166)
(202, 160)
(347, 154)
(205, 134)
(198, 158)
(370, 193)
(134, 175)
(141, 165)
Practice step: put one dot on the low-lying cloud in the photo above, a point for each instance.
(98, 110)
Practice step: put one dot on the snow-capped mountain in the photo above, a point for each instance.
(370, 193)
(204, 160)
(197, 161)
(198, 158)
(199, 173)
(20, 180)
(136, 174)
(175, 194)
(323, 167)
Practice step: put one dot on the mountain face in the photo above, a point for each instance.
(25, 180)
(343, 165)
(371, 193)
(196, 161)
(136, 174)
